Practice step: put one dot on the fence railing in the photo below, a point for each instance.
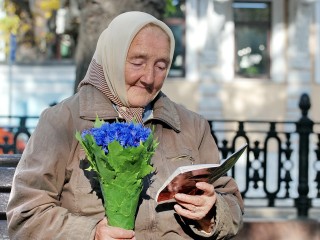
(282, 161)
(281, 166)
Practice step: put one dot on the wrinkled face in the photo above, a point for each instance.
(146, 65)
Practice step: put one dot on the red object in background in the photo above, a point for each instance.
(7, 138)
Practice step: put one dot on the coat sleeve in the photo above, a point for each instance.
(34, 210)
(229, 205)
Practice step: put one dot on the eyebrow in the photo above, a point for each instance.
(138, 56)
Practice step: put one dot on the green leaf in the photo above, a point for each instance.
(116, 156)
(86, 146)
(98, 122)
(106, 172)
(145, 170)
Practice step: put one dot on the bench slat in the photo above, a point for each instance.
(5, 189)
(7, 163)
(3, 216)
(9, 160)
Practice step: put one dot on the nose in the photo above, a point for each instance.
(148, 76)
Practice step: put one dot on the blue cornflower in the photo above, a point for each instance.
(127, 134)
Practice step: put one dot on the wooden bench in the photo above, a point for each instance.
(8, 163)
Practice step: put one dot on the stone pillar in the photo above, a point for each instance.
(317, 42)
(5, 91)
(210, 49)
(299, 58)
(278, 66)
(216, 42)
(193, 34)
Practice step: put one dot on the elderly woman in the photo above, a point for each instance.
(53, 197)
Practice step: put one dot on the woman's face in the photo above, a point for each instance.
(146, 65)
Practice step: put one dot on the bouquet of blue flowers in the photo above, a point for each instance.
(120, 154)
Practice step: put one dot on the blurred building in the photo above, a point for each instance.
(250, 59)
(233, 60)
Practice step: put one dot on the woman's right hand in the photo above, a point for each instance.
(106, 232)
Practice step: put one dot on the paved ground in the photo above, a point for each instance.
(280, 230)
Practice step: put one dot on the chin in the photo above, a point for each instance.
(139, 104)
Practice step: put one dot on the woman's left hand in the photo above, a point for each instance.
(196, 207)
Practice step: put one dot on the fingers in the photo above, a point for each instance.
(119, 233)
(185, 200)
(106, 232)
(207, 188)
(197, 200)
(192, 212)
(196, 207)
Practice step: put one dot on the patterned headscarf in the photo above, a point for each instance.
(106, 71)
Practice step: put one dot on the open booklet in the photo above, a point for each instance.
(184, 178)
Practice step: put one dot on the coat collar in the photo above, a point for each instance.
(94, 103)
(166, 111)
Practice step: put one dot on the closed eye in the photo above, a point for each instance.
(162, 66)
(136, 64)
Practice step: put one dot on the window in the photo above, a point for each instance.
(252, 39)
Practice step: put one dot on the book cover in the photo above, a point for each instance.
(184, 178)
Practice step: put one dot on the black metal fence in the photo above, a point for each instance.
(281, 166)
(282, 161)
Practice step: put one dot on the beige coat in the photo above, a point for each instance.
(53, 199)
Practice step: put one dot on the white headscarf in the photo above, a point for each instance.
(111, 53)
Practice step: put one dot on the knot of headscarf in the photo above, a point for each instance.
(95, 77)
